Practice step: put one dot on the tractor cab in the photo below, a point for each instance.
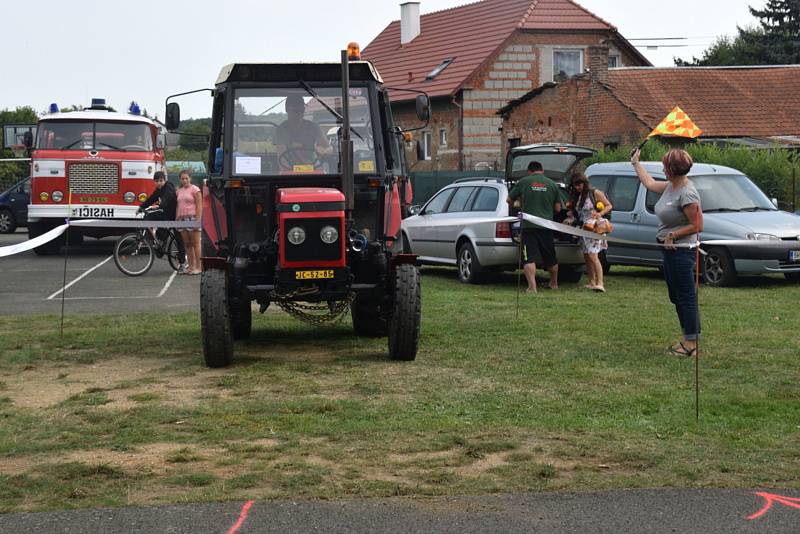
(303, 203)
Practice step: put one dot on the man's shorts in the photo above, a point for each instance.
(539, 247)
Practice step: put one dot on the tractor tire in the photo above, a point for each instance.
(7, 223)
(368, 321)
(215, 321)
(48, 249)
(718, 268)
(241, 314)
(469, 267)
(406, 312)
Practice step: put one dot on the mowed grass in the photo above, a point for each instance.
(575, 394)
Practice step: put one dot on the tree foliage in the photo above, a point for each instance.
(775, 40)
(198, 130)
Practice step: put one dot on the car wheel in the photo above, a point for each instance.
(7, 223)
(568, 274)
(406, 245)
(469, 268)
(792, 277)
(718, 268)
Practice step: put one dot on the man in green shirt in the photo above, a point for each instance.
(538, 196)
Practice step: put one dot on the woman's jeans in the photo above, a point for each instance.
(679, 272)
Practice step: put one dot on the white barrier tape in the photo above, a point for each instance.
(33, 243)
(96, 223)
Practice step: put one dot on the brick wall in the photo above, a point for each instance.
(445, 115)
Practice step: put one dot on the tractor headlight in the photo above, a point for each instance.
(58, 196)
(129, 197)
(329, 235)
(296, 235)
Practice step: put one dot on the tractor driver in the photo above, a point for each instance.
(299, 141)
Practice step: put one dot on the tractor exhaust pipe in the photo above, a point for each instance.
(358, 242)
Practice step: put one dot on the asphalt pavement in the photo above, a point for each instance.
(31, 284)
(706, 511)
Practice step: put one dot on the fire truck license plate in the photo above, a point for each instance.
(313, 275)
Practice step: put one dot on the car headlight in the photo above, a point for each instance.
(129, 197)
(329, 235)
(43, 196)
(763, 237)
(296, 235)
(58, 196)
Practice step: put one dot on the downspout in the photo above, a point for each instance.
(460, 132)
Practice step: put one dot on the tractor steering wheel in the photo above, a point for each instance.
(286, 161)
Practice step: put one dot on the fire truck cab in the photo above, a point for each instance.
(303, 203)
(91, 164)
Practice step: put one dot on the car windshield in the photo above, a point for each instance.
(88, 135)
(296, 130)
(720, 193)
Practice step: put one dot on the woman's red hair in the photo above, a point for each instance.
(677, 162)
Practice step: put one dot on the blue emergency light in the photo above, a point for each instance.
(53, 108)
(134, 109)
(98, 102)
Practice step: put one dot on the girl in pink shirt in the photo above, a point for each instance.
(190, 208)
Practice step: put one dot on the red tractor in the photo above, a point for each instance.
(303, 203)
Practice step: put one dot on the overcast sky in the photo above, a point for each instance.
(69, 52)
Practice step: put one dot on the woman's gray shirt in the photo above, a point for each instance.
(669, 210)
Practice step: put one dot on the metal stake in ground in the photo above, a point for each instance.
(519, 268)
(66, 255)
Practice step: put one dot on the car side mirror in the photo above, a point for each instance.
(414, 209)
(423, 108)
(27, 139)
(774, 201)
(172, 116)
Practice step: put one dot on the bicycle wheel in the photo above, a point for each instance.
(133, 254)
(172, 253)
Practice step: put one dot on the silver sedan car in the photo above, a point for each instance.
(448, 231)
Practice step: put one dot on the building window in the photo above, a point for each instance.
(613, 62)
(442, 137)
(427, 145)
(566, 64)
(438, 70)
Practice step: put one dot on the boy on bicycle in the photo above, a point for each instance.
(166, 199)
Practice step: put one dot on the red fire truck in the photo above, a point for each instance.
(91, 164)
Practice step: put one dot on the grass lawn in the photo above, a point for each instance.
(576, 394)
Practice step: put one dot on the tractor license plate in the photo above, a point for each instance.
(313, 275)
(794, 256)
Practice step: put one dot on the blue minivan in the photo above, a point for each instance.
(734, 209)
(14, 206)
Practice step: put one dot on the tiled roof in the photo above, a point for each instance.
(470, 34)
(723, 102)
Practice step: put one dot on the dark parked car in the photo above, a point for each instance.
(14, 206)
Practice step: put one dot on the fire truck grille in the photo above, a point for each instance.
(94, 178)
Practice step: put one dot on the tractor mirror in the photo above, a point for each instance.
(423, 108)
(27, 139)
(173, 116)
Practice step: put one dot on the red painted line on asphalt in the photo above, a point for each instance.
(770, 499)
(242, 517)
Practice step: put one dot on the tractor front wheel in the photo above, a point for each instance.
(406, 312)
(215, 320)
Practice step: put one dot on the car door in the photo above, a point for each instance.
(19, 199)
(451, 223)
(422, 231)
(624, 192)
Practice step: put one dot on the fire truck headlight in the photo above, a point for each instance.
(296, 235)
(329, 235)
(43, 196)
(58, 196)
(142, 197)
(129, 197)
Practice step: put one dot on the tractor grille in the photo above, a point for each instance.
(313, 249)
(93, 178)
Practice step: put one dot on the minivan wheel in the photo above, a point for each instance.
(7, 223)
(718, 268)
(469, 268)
(569, 274)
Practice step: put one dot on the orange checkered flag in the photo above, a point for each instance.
(677, 124)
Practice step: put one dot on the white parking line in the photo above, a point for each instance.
(166, 286)
(79, 278)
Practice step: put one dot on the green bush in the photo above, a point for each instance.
(771, 169)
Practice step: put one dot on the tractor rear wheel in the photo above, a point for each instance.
(406, 311)
(215, 322)
(368, 321)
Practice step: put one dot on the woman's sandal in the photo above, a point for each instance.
(681, 350)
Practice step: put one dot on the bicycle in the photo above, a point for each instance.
(135, 252)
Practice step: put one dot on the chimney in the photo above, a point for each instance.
(598, 63)
(409, 22)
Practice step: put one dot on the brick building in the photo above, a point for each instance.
(620, 106)
(474, 59)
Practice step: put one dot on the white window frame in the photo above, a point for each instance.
(442, 136)
(427, 146)
(616, 59)
(568, 50)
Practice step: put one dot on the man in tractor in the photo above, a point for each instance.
(300, 142)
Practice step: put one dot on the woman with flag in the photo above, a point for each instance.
(680, 222)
